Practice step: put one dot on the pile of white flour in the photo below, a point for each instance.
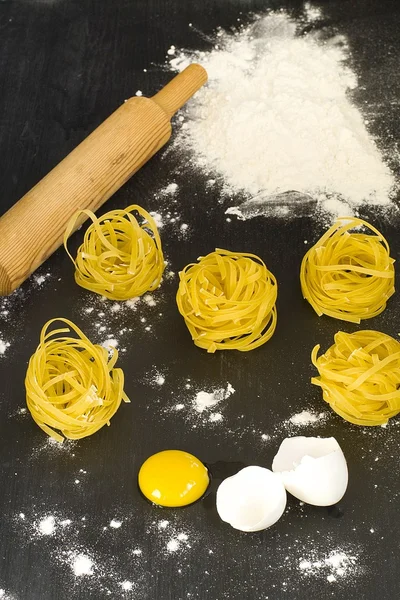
(277, 117)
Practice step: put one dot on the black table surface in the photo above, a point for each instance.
(65, 65)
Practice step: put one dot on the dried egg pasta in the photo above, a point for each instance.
(228, 301)
(348, 276)
(119, 257)
(360, 376)
(71, 384)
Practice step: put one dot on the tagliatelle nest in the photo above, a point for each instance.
(119, 258)
(228, 301)
(71, 384)
(360, 376)
(348, 276)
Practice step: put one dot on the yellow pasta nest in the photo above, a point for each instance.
(360, 376)
(348, 276)
(119, 257)
(228, 301)
(71, 384)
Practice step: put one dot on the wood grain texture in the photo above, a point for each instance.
(34, 227)
(182, 87)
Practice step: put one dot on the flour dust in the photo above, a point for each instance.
(276, 123)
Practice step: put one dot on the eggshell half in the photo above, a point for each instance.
(313, 470)
(251, 500)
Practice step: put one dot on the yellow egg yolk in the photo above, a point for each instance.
(173, 478)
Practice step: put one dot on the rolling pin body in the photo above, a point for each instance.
(34, 227)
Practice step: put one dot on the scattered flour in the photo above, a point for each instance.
(127, 586)
(40, 279)
(47, 525)
(155, 378)
(4, 346)
(175, 543)
(205, 400)
(115, 524)
(51, 446)
(307, 418)
(216, 417)
(38, 526)
(157, 219)
(72, 546)
(313, 13)
(81, 564)
(110, 343)
(170, 217)
(149, 300)
(65, 522)
(106, 321)
(338, 564)
(196, 406)
(169, 190)
(132, 303)
(171, 536)
(6, 595)
(276, 117)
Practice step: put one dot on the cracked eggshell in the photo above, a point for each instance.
(313, 470)
(251, 500)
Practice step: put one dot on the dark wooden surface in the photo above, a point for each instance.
(65, 65)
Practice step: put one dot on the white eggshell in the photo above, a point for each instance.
(251, 500)
(313, 470)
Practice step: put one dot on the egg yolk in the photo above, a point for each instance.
(173, 478)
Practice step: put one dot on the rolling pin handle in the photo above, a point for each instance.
(178, 91)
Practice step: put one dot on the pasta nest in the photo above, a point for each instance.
(348, 276)
(119, 257)
(360, 376)
(71, 384)
(228, 301)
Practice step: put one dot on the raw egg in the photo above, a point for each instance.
(173, 478)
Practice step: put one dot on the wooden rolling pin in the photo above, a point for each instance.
(34, 227)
